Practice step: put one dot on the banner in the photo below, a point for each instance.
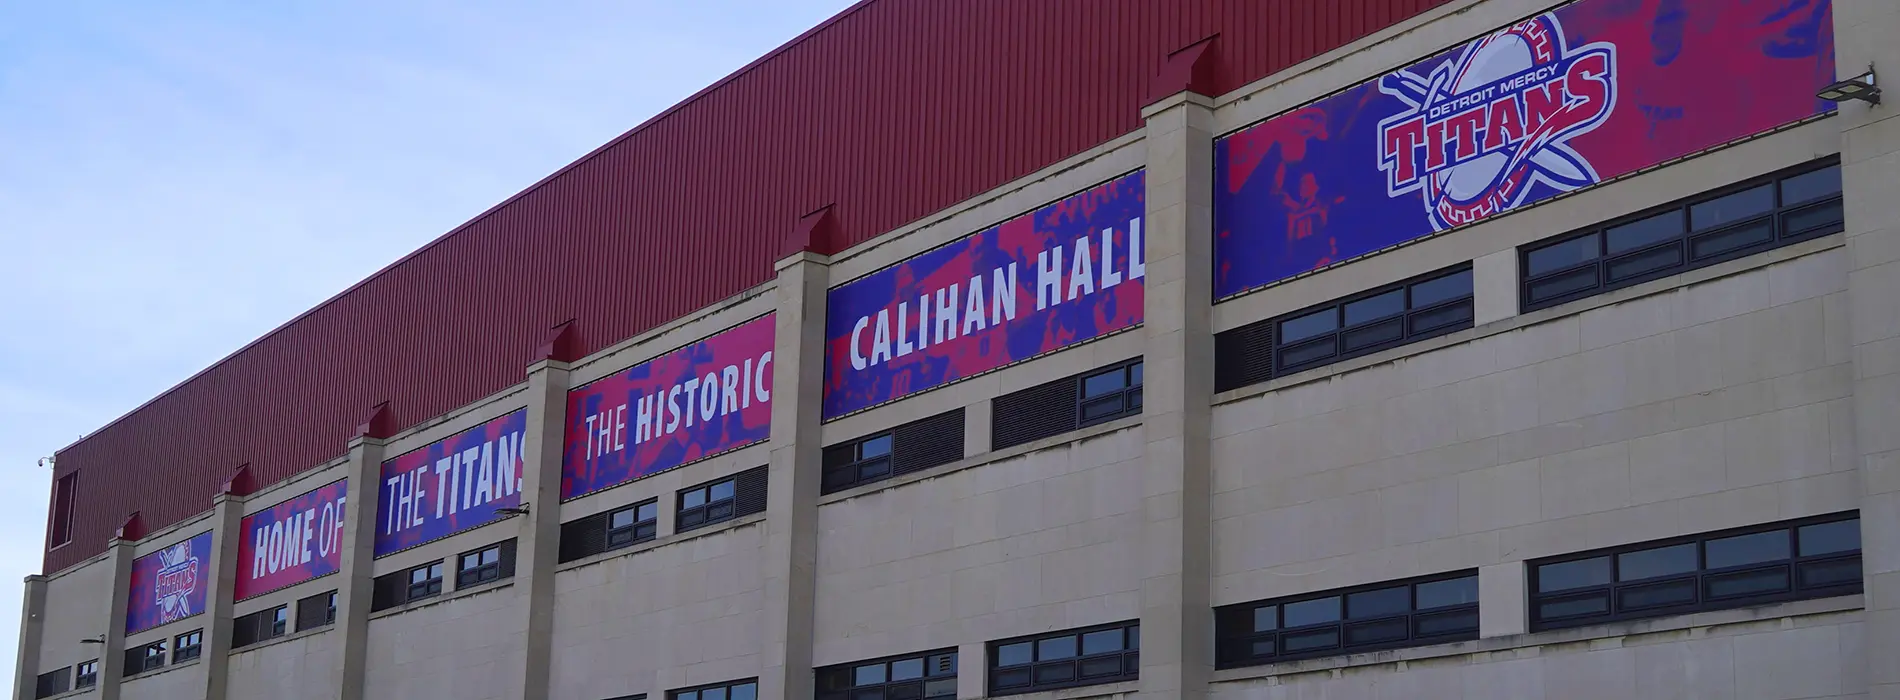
(291, 542)
(451, 485)
(1054, 277)
(1562, 101)
(169, 585)
(700, 400)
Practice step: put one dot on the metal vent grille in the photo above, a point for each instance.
(1243, 356)
(583, 538)
(749, 493)
(927, 443)
(1034, 413)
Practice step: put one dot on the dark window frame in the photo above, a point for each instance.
(641, 529)
(307, 620)
(908, 448)
(429, 586)
(1613, 594)
(86, 674)
(1237, 637)
(1258, 351)
(148, 656)
(1128, 656)
(1124, 400)
(839, 682)
(261, 626)
(1058, 406)
(710, 510)
(698, 692)
(181, 651)
(485, 569)
(1682, 244)
(59, 532)
(53, 682)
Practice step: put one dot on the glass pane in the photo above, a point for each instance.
(688, 695)
(1099, 384)
(941, 688)
(649, 511)
(1441, 317)
(907, 669)
(834, 679)
(1308, 641)
(840, 478)
(1134, 374)
(1815, 185)
(1388, 630)
(1438, 594)
(1586, 605)
(1452, 286)
(1010, 679)
(1311, 612)
(745, 691)
(905, 691)
(1637, 234)
(1385, 601)
(418, 576)
(1312, 351)
(621, 519)
(435, 570)
(1645, 262)
(1650, 563)
(871, 694)
(943, 665)
(1810, 218)
(1828, 538)
(471, 561)
(1732, 239)
(1266, 618)
(1563, 576)
(1561, 255)
(1567, 283)
(1831, 573)
(1013, 654)
(1318, 322)
(875, 447)
(869, 674)
(1382, 332)
(1657, 594)
(1447, 623)
(693, 499)
(1100, 408)
(713, 694)
(874, 469)
(1106, 666)
(1102, 642)
(1263, 647)
(1387, 304)
(1747, 549)
(1731, 208)
(1056, 673)
(491, 556)
(1134, 637)
(722, 490)
(1772, 580)
(1058, 648)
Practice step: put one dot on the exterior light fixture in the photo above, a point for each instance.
(101, 639)
(1860, 87)
(513, 510)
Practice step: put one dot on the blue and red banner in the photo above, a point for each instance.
(291, 542)
(452, 485)
(1054, 277)
(1562, 101)
(700, 400)
(169, 585)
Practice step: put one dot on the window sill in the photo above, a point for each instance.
(1615, 634)
(1530, 318)
(154, 673)
(979, 460)
(440, 598)
(94, 688)
(652, 544)
(299, 634)
(1087, 691)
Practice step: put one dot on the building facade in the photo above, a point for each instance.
(1505, 349)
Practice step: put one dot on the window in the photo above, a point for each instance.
(1812, 558)
(424, 581)
(316, 611)
(735, 690)
(722, 500)
(1387, 317)
(60, 530)
(488, 564)
(260, 626)
(1067, 659)
(144, 658)
(1733, 222)
(188, 646)
(1057, 407)
(625, 527)
(908, 448)
(86, 674)
(52, 683)
(908, 677)
(1387, 615)
(404, 586)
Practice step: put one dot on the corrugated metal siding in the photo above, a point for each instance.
(891, 111)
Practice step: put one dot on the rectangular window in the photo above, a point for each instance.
(60, 530)
(144, 658)
(1067, 659)
(734, 690)
(260, 626)
(908, 448)
(612, 530)
(188, 646)
(1810, 558)
(907, 677)
(424, 581)
(1057, 407)
(403, 586)
(1430, 610)
(52, 683)
(492, 563)
(722, 500)
(316, 611)
(1407, 312)
(1736, 221)
(86, 674)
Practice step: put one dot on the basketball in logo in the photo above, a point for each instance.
(1490, 124)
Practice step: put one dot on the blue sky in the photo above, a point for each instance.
(179, 178)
